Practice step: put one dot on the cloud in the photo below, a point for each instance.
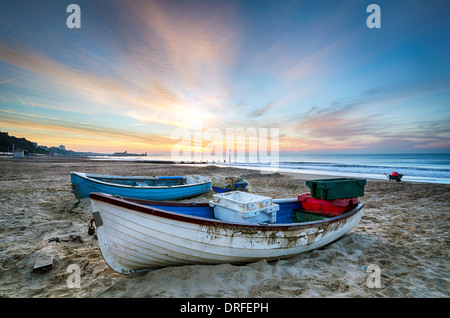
(80, 134)
(340, 127)
(6, 81)
(186, 55)
(28, 115)
(175, 63)
(171, 70)
(48, 75)
(363, 122)
(158, 65)
(262, 111)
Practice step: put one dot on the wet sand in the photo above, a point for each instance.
(404, 231)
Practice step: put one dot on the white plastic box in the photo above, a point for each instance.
(237, 206)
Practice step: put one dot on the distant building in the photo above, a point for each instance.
(18, 154)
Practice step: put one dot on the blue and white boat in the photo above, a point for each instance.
(145, 188)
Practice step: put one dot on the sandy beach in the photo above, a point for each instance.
(404, 230)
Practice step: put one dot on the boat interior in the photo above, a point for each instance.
(289, 212)
(147, 182)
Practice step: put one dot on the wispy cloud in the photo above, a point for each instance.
(81, 135)
(28, 115)
(262, 111)
(52, 74)
(138, 69)
(371, 118)
(6, 81)
(186, 56)
(175, 66)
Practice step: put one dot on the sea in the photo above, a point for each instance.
(415, 167)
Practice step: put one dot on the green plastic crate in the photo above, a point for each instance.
(340, 188)
(301, 216)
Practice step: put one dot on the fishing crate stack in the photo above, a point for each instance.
(221, 184)
(330, 197)
(237, 206)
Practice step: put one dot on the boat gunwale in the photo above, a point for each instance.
(90, 177)
(141, 206)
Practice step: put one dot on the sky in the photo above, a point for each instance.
(137, 72)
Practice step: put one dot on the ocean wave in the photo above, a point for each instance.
(425, 168)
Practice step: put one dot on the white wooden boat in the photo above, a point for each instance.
(137, 235)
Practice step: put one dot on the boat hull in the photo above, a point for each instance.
(134, 237)
(83, 185)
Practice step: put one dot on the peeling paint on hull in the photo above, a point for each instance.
(135, 237)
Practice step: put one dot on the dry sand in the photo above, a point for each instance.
(404, 230)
